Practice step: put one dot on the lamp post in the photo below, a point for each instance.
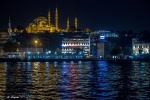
(36, 44)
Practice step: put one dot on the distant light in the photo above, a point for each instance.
(102, 37)
(80, 62)
(64, 62)
(72, 62)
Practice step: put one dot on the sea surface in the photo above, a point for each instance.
(88, 80)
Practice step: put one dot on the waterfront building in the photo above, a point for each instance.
(140, 47)
(101, 43)
(100, 48)
(93, 46)
(76, 44)
(103, 49)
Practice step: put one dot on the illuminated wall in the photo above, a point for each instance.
(141, 48)
(76, 45)
(40, 25)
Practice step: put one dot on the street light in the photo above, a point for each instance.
(36, 44)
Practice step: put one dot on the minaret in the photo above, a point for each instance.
(9, 27)
(76, 23)
(49, 18)
(56, 18)
(68, 24)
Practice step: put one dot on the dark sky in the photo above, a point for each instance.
(95, 14)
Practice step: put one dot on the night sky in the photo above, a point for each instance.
(117, 15)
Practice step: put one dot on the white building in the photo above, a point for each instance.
(76, 44)
(140, 47)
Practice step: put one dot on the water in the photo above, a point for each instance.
(99, 80)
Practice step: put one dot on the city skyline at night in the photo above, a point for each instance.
(97, 14)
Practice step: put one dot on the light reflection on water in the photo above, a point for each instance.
(75, 80)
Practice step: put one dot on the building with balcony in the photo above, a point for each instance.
(76, 44)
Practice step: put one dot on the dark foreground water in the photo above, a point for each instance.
(99, 80)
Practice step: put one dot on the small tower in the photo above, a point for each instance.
(68, 24)
(76, 23)
(56, 18)
(9, 27)
(49, 18)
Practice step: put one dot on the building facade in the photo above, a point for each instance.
(42, 24)
(100, 47)
(76, 45)
(141, 48)
(103, 49)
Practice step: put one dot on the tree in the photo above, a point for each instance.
(10, 46)
(115, 51)
(20, 27)
(58, 51)
(127, 51)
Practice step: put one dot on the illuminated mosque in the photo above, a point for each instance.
(42, 24)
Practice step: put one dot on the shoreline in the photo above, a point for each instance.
(59, 60)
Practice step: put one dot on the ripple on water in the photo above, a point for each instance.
(75, 80)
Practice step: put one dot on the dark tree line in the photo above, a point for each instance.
(10, 46)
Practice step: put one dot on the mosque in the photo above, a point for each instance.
(42, 24)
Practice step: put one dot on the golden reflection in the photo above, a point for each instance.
(44, 81)
(2, 81)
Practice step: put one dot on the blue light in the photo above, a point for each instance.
(29, 57)
(80, 62)
(102, 37)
